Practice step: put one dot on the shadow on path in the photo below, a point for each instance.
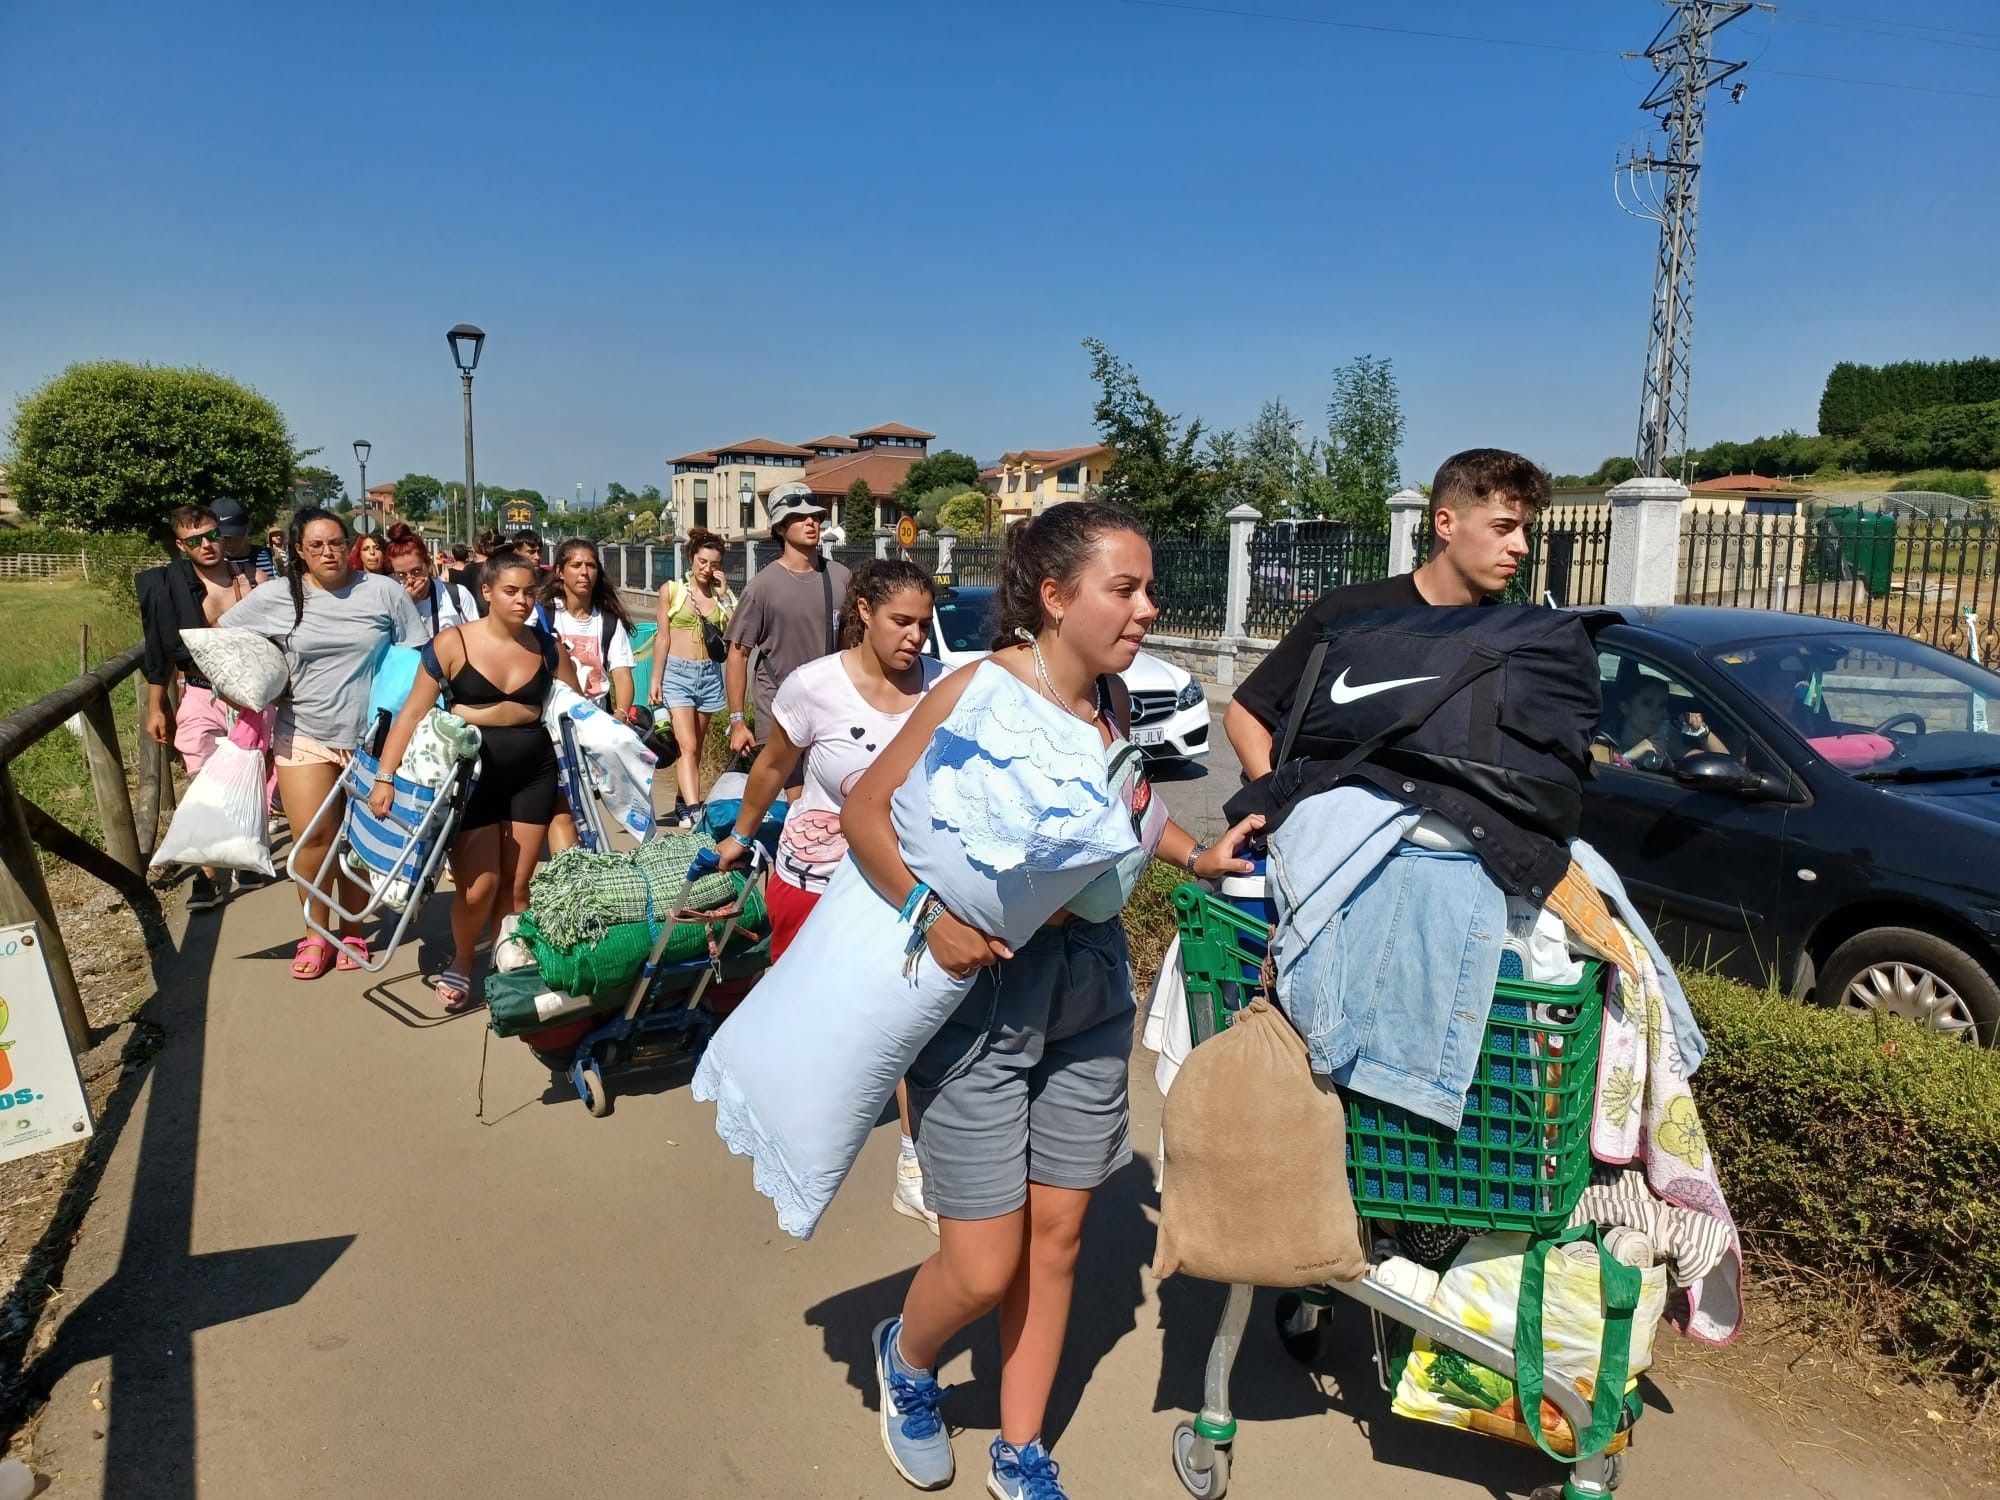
(1117, 1248)
(145, 1316)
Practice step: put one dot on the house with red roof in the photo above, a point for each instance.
(726, 489)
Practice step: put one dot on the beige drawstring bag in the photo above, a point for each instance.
(1255, 1182)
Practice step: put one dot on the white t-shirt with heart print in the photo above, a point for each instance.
(821, 711)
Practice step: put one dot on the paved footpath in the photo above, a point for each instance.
(346, 1247)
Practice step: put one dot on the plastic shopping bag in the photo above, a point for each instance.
(221, 824)
(242, 666)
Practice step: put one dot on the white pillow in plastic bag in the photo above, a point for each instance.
(222, 822)
(241, 665)
(1008, 815)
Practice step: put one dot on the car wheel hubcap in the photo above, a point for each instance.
(1912, 992)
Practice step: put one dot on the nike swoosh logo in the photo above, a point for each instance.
(1340, 692)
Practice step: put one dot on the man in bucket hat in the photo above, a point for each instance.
(789, 614)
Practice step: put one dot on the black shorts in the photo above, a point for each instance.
(517, 777)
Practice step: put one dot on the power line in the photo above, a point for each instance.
(1870, 29)
(1828, 15)
(1443, 36)
(1538, 46)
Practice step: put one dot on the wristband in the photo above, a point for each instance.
(928, 916)
(912, 901)
(736, 718)
(385, 778)
(733, 834)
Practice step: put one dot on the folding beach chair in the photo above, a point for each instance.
(395, 859)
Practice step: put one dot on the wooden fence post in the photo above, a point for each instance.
(107, 783)
(24, 897)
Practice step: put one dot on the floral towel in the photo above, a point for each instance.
(1646, 1115)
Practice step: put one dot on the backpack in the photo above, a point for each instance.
(1499, 701)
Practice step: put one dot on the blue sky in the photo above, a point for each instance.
(686, 224)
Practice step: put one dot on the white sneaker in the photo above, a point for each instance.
(909, 1199)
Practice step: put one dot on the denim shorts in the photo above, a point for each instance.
(692, 684)
(1027, 1081)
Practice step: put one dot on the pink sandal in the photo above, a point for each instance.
(312, 958)
(353, 953)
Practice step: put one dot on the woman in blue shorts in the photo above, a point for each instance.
(687, 675)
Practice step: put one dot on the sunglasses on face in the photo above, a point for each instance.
(200, 537)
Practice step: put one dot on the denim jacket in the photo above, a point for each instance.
(1386, 953)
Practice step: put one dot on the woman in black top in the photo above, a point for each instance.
(494, 672)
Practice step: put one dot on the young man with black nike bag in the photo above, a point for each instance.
(1483, 716)
(1483, 501)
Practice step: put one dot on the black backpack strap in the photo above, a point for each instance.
(826, 588)
(606, 632)
(1306, 685)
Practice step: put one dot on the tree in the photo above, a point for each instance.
(317, 486)
(938, 469)
(931, 503)
(616, 494)
(417, 495)
(1279, 474)
(114, 446)
(1364, 428)
(857, 512)
(1161, 473)
(966, 513)
(644, 527)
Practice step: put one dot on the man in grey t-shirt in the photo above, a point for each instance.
(789, 615)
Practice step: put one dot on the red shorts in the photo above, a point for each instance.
(789, 907)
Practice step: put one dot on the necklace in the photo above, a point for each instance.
(1042, 672)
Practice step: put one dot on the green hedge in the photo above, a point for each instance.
(1863, 1155)
(1867, 1153)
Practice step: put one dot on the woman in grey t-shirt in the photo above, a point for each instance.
(332, 622)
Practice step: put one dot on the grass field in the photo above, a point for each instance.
(41, 625)
(1871, 484)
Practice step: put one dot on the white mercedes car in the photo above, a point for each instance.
(1169, 713)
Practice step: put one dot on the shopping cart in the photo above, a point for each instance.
(665, 1015)
(1519, 1162)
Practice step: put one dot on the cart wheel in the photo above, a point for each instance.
(1614, 1470)
(589, 1080)
(1211, 1483)
(1301, 1328)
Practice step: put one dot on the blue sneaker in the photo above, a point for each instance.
(1024, 1473)
(913, 1432)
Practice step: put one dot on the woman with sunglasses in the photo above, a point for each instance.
(500, 836)
(439, 605)
(332, 622)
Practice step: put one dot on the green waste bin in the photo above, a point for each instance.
(1863, 544)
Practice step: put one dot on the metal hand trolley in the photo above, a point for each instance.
(402, 854)
(1519, 1162)
(573, 776)
(650, 1028)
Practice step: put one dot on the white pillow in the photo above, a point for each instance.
(241, 665)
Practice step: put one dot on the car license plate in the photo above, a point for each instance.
(1144, 737)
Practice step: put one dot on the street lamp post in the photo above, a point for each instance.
(466, 342)
(362, 448)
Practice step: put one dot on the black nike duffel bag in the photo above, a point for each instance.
(1499, 701)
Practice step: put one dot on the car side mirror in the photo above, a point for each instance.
(1709, 771)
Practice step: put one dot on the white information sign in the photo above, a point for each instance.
(42, 1103)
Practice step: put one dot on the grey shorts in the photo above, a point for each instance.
(1027, 1080)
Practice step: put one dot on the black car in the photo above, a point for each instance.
(1809, 802)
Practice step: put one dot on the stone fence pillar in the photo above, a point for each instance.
(1236, 599)
(1645, 541)
(1406, 514)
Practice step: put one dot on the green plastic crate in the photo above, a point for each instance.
(1520, 1159)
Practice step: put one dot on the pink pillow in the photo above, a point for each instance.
(1853, 752)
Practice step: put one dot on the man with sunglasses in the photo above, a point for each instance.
(189, 593)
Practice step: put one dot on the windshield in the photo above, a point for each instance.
(965, 619)
(1881, 707)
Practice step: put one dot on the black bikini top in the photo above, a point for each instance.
(469, 687)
